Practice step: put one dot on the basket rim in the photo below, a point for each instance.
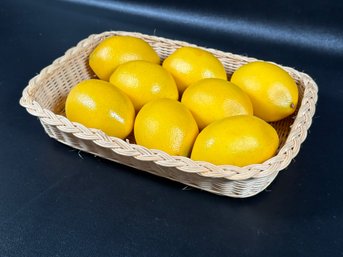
(281, 160)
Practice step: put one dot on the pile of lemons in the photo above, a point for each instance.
(186, 106)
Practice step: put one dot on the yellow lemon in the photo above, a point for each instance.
(166, 125)
(116, 50)
(98, 104)
(143, 81)
(237, 140)
(190, 64)
(273, 92)
(213, 99)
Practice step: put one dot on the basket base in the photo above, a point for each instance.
(220, 186)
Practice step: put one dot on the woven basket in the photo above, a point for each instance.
(46, 93)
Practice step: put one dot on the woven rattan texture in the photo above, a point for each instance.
(45, 96)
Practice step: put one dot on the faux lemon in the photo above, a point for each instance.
(99, 104)
(190, 64)
(116, 50)
(143, 81)
(213, 99)
(166, 125)
(237, 140)
(273, 92)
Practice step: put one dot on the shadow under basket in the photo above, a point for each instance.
(45, 96)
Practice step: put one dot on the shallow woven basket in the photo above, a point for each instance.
(45, 96)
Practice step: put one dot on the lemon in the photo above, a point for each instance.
(190, 64)
(98, 104)
(214, 99)
(237, 140)
(167, 125)
(116, 50)
(143, 81)
(273, 92)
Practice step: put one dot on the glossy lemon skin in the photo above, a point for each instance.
(166, 125)
(213, 99)
(143, 81)
(190, 64)
(273, 92)
(99, 104)
(237, 140)
(115, 50)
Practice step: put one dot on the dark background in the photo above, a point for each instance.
(56, 201)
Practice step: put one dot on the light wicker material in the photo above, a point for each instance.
(45, 96)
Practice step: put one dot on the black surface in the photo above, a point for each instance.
(55, 201)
